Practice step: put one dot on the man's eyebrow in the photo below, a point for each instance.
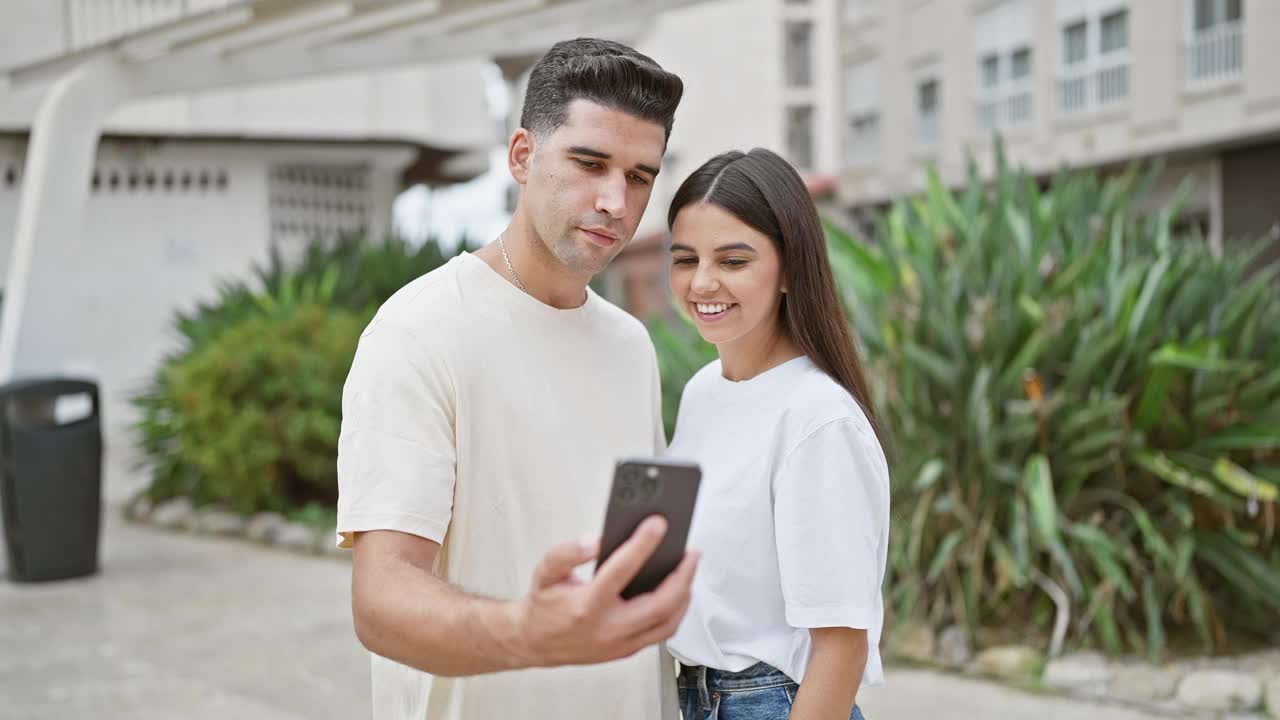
(580, 150)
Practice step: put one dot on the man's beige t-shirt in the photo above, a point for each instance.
(482, 419)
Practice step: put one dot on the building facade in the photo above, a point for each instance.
(1066, 83)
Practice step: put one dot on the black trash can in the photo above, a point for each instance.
(50, 477)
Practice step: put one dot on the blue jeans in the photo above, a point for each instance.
(761, 692)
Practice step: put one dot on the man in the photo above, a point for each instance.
(485, 409)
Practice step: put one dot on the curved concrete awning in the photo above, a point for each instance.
(234, 42)
(162, 49)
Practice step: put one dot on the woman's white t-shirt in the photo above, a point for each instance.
(792, 518)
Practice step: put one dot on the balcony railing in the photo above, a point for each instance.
(1216, 54)
(1093, 86)
(1005, 109)
(927, 129)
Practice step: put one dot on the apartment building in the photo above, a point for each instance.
(1066, 83)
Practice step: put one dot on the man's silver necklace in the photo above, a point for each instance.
(502, 244)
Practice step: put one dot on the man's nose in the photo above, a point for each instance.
(611, 196)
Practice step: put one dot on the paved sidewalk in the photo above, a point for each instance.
(911, 694)
(183, 627)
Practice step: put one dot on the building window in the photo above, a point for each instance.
(799, 54)
(1020, 64)
(1075, 43)
(800, 136)
(991, 72)
(1215, 48)
(1095, 63)
(1208, 14)
(861, 114)
(1115, 32)
(927, 115)
(1005, 92)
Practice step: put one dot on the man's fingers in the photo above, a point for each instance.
(612, 577)
(664, 623)
(669, 599)
(559, 561)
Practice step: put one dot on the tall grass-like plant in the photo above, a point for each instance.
(1086, 408)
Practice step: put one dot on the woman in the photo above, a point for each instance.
(793, 512)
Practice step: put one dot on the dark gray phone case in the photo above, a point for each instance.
(644, 487)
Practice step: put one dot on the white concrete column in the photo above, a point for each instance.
(40, 301)
(1216, 220)
(384, 186)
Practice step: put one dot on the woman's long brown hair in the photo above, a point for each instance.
(762, 190)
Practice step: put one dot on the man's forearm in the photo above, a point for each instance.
(404, 613)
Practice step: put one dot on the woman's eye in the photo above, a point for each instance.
(734, 262)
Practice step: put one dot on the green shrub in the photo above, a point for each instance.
(258, 323)
(259, 413)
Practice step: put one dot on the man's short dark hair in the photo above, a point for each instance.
(604, 72)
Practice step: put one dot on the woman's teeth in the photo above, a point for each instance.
(712, 309)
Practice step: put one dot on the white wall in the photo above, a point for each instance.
(827, 75)
(729, 55)
(147, 253)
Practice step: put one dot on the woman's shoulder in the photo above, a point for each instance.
(816, 401)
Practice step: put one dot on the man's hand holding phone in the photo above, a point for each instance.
(567, 621)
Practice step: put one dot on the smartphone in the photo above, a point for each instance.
(644, 487)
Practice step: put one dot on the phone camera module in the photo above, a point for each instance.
(637, 485)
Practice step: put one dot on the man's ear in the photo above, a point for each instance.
(520, 154)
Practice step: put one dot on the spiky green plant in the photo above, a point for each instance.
(1086, 408)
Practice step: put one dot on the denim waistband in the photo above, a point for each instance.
(758, 676)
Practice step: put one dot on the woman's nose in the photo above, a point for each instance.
(705, 280)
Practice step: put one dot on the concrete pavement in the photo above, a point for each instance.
(177, 626)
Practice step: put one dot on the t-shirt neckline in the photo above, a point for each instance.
(733, 391)
(513, 296)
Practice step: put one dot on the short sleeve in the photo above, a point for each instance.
(396, 449)
(831, 514)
